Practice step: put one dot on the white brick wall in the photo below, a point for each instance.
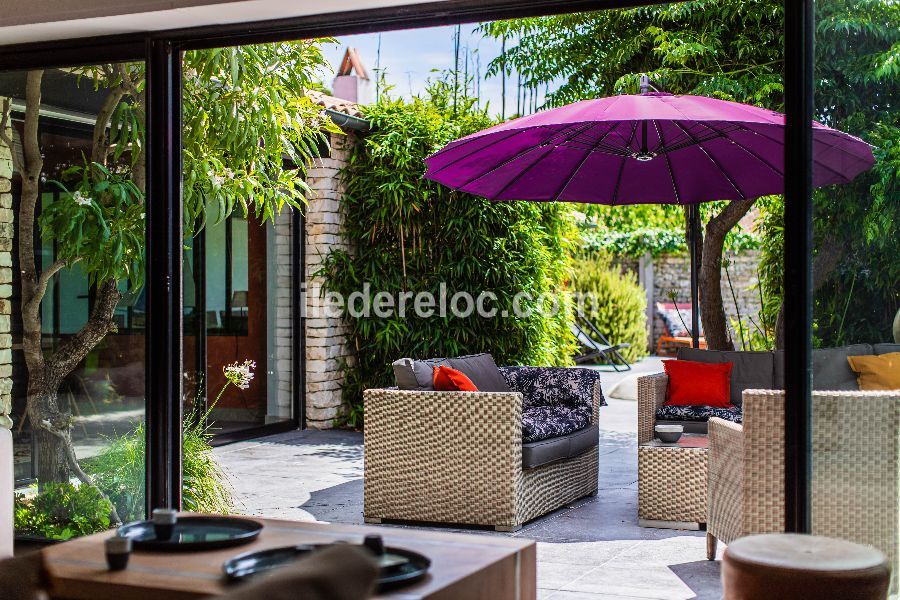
(326, 336)
(6, 242)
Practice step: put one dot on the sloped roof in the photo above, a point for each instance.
(340, 105)
(352, 62)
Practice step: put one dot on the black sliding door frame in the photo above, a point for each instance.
(162, 51)
(164, 258)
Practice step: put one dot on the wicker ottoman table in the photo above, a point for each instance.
(672, 483)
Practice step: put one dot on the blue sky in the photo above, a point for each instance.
(409, 56)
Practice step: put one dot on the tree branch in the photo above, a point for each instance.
(74, 349)
(40, 286)
(30, 171)
(712, 308)
(100, 149)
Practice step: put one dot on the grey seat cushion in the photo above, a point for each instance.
(751, 370)
(831, 371)
(545, 452)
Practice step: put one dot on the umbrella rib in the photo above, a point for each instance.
(508, 161)
(713, 160)
(755, 155)
(821, 164)
(622, 165)
(522, 172)
(465, 156)
(662, 144)
(587, 155)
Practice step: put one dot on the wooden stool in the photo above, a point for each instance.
(793, 567)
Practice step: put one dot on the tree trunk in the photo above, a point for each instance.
(50, 463)
(56, 460)
(712, 307)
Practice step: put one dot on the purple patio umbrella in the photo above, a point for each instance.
(652, 148)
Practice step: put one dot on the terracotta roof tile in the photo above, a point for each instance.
(336, 104)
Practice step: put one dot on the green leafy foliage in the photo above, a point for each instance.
(733, 49)
(120, 472)
(614, 302)
(99, 225)
(729, 49)
(655, 240)
(411, 234)
(856, 88)
(62, 511)
(246, 111)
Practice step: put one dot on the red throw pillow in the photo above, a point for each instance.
(446, 379)
(694, 383)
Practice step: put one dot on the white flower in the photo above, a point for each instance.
(80, 199)
(240, 374)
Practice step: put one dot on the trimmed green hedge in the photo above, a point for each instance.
(614, 302)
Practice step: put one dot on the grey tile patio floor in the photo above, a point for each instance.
(592, 550)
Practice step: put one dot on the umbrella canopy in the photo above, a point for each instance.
(652, 148)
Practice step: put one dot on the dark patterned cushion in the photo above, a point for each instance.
(553, 386)
(698, 413)
(555, 400)
(542, 422)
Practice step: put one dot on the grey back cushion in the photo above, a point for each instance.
(751, 370)
(831, 371)
(415, 374)
(885, 348)
(480, 368)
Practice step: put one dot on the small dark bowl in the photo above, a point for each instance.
(669, 437)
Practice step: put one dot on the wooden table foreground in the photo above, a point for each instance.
(462, 565)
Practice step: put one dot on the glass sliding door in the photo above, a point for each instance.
(72, 313)
(855, 424)
(249, 132)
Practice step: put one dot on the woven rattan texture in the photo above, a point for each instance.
(855, 469)
(672, 483)
(456, 457)
(651, 395)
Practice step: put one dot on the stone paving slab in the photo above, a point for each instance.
(593, 550)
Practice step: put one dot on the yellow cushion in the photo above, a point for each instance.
(877, 372)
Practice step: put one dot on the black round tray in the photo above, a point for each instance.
(193, 534)
(391, 576)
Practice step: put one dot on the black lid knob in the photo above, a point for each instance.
(375, 544)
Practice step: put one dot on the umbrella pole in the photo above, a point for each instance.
(694, 241)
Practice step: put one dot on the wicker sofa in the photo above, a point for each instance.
(752, 370)
(459, 457)
(855, 471)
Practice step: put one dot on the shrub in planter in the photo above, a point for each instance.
(62, 511)
(614, 302)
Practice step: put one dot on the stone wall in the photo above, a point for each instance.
(6, 246)
(281, 381)
(327, 345)
(672, 272)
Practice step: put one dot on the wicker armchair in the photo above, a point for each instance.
(651, 395)
(855, 478)
(456, 457)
